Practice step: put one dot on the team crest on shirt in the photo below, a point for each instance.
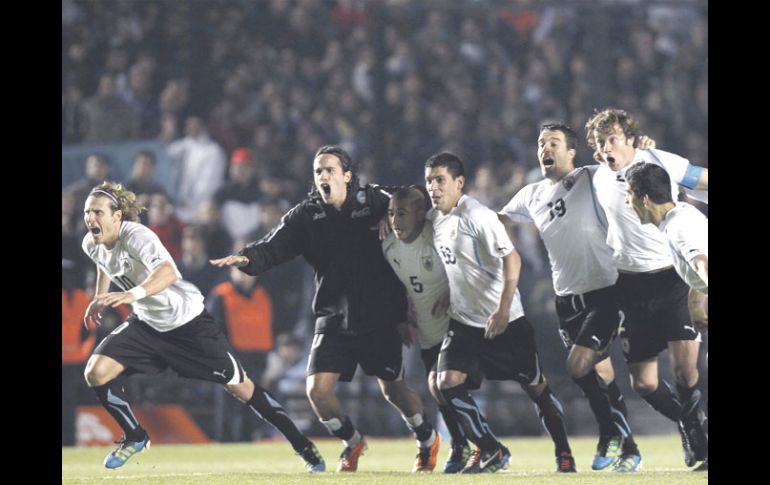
(126, 265)
(361, 196)
(568, 182)
(427, 263)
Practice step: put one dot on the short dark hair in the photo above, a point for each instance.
(569, 135)
(451, 161)
(348, 165)
(416, 196)
(650, 180)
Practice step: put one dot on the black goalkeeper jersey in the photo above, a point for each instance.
(356, 290)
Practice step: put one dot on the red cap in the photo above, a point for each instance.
(241, 156)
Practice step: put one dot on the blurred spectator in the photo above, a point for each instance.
(97, 169)
(138, 95)
(200, 168)
(162, 220)
(218, 241)
(239, 198)
(194, 264)
(142, 181)
(246, 311)
(107, 117)
(287, 352)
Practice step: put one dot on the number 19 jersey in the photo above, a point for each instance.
(573, 227)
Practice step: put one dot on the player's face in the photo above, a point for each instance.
(101, 221)
(637, 205)
(555, 159)
(330, 180)
(444, 190)
(405, 220)
(615, 149)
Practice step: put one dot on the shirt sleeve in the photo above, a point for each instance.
(491, 235)
(679, 169)
(281, 244)
(516, 209)
(146, 246)
(683, 236)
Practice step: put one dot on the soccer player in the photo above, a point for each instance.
(651, 294)
(488, 335)
(410, 252)
(574, 231)
(358, 302)
(169, 327)
(686, 231)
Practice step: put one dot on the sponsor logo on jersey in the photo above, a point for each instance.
(126, 265)
(320, 215)
(360, 213)
(398, 263)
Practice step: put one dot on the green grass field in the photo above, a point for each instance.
(387, 462)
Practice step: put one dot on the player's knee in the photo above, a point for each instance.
(435, 391)
(317, 394)
(686, 376)
(449, 380)
(644, 386)
(393, 391)
(578, 367)
(95, 375)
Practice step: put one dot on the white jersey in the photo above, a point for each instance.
(687, 230)
(573, 227)
(637, 248)
(137, 253)
(419, 268)
(471, 242)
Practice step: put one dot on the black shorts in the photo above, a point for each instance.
(377, 353)
(511, 355)
(590, 320)
(430, 357)
(655, 308)
(198, 349)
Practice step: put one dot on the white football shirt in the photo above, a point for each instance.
(137, 253)
(471, 242)
(686, 230)
(637, 248)
(573, 227)
(418, 267)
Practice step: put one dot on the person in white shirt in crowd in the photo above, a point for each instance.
(199, 165)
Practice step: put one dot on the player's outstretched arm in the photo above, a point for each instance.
(232, 260)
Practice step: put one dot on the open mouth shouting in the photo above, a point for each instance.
(548, 162)
(326, 190)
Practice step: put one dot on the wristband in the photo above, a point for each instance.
(138, 292)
